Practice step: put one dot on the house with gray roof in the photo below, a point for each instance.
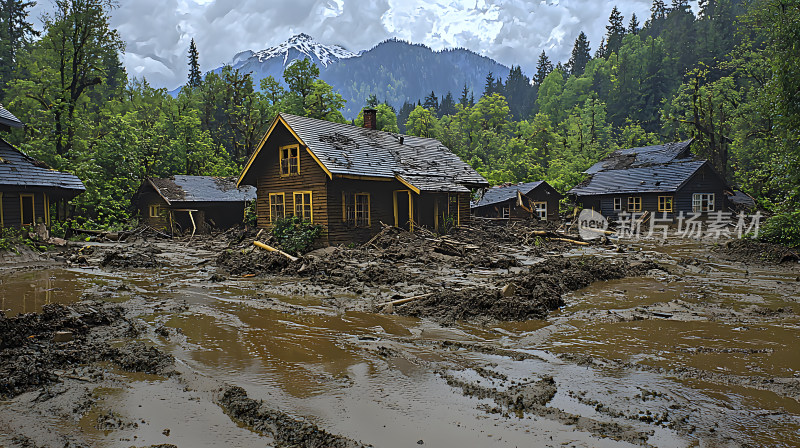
(29, 189)
(661, 179)
(351, 179)
(192, 203)
(528, 200)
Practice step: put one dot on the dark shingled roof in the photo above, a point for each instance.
(643, 156)
(184, 189)
(503, 193)
(351, 150)
(19, 170)
(667, 177)
(8, 120)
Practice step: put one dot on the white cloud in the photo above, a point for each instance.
(158, 32)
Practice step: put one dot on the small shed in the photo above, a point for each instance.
(192, 203)
(29, 189)
(519, 201)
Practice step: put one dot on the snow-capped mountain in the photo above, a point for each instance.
(393, 70)
(305, 44)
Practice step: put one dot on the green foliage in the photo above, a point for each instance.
(387, 120)
(250, 215)
(782, 228)
(295, 235)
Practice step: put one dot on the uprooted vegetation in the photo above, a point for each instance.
(36, 348)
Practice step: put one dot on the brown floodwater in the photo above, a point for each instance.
(372, 377)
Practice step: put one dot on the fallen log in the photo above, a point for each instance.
(272, 249)
(582, 243)
(406, 300)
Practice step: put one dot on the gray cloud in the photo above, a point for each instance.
(158, 32)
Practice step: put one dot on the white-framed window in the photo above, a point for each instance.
(506, 211)
(703, 202)
(540, 208)
(618, 204)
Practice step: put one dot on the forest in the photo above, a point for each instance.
(728, 76)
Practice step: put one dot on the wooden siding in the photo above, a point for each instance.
(269, 180)
(11, 209)
(145, 200)
(705, 180)
(539, 194)
(381, 208)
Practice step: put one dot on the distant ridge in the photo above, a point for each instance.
(394, 70)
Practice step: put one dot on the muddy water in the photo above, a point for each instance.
(374, 377)
(28, 291)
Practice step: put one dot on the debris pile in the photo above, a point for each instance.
(747, 251)
(531, 296)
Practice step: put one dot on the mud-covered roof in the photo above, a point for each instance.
(344, 149)
(184, 189)
(8, 120)
(643, 156)
(502, 193)
(666, 177)
(19, 170)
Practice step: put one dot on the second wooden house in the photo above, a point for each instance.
(351, 179)
(519, 201)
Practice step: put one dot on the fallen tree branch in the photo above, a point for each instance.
(406, 300)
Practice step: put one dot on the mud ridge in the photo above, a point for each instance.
(532, 398)
(286, 430)
(536, 292)
(751, 251)
(36, 347)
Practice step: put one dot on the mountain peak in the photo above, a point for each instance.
(302, 46)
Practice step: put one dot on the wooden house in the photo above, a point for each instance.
(519, 201)
(658, 179)
(351, 179)
(192, 203)
(29, 189)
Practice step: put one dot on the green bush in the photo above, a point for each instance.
(250, 216)
(295, 235)
(783, 228)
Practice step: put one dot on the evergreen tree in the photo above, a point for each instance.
(464, 98)
(372, 101)
(431, 102)
(402, 117)
(602, 51)
(490, 85)
(447, 106)
(543, 68)
(15, 32)
(580, 55)
(615, 31)
(633, 25)
(195, 78)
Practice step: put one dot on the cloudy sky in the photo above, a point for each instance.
(158, 32)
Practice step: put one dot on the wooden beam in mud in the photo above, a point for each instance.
(272, 249)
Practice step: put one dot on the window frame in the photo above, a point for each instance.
(697, 202)
(667, 200)
(450, 197)
(353, 202)
(505, 212)
(288, 157)
(637, 203)
(539, 211)
(618, 208)
(302, 204)
(157, 209)
(22, 197)
(272, 219)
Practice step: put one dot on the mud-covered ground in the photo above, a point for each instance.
(490, 336)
